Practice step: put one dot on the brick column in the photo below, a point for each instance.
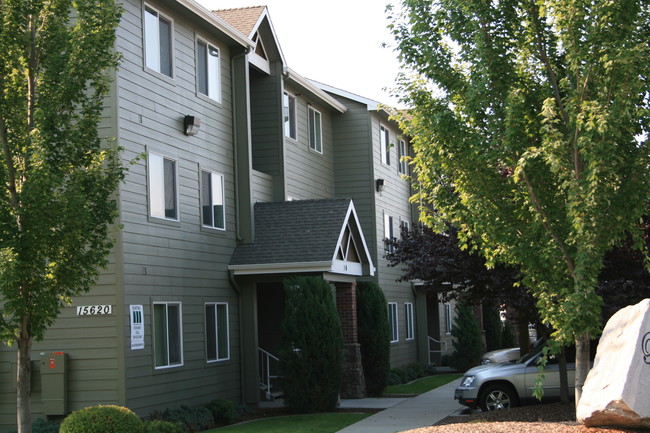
(353, 384)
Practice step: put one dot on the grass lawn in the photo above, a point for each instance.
(309, 423)
(423, 385)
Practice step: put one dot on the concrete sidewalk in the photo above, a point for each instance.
(402, 414)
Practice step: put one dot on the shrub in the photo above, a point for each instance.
(493, 328)
(223, 411)
(417, 370)
(401, 373)
(311, 351)
(43, 426)
(374, 336)
(102, 419)
(467, 339)
(161, 426)
(194, 419)
(394, 379)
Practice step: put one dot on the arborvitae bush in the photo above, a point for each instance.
(493, 327)
(508, 337)
(374, 336)
(311, 353)
(102, 419)
(467, 339)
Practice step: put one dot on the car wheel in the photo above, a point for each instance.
(497, 397)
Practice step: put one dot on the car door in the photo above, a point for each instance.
(551, 380)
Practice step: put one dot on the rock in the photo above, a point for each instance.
(617, 389)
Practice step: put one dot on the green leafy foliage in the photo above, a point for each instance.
(43, 426)
(530, 129)
(194, 419)
(102, 419)
(467, 339)
(311, 353)
(374, 336)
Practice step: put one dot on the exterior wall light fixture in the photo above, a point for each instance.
(191, 125)
(379, 183)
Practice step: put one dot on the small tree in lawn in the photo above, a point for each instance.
(530, 128)
(374, 336)
(58, 178)
(467, 339)
(311, 352)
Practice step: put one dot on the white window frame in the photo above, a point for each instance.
(448, 321)
(215, 195)
(384, 140)
(315, 120)
(402, 164)
(211, 69)
(289, 115)
(157, 182)
(152, 49)
(393, 322)
(408, 316)
(217, 332)
(389, 233)
(167, 336)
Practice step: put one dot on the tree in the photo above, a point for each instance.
(374, 336)
(467, 339)
(311, 351)
(58, 177)
(529, 123)
(438, 261)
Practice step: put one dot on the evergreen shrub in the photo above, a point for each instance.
(467, 339)
(162, 426)
(195, 419)
(374, 336)
(102, 419)
(223, 411)
(43, 426)
(311, 353)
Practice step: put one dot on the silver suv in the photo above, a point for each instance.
(505, 385)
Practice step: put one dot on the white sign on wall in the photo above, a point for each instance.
(137, 327)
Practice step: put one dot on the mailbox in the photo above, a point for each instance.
(54, 383)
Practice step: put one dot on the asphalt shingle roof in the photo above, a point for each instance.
(294, 232)
(243, 19)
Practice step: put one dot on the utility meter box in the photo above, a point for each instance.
(54, 383)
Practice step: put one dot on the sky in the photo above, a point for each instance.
(336, 42)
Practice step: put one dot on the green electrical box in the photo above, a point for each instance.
(54, 383)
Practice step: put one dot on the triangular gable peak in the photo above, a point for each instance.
(255, 23)
(351, 248)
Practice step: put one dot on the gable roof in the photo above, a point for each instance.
(304, 236)
(217, 22)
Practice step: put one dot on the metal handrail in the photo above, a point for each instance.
(442, 343)
(265, 370)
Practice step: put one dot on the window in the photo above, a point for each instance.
(388, 232)
(217, 346)
(168, 343)
(448, 318)
(401, 152)
(163, 200)
(209, 70)
(158, 42)
(289, 114)
(385, 145)
(408, 316)
(212, 202)
(404, 227)
(315, 132)
(392, 322)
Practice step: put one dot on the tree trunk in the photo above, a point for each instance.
(23, 387)
(564, 378)
(582, 363)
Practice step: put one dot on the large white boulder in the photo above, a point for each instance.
(617, 389)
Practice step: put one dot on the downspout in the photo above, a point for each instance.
(231, 276)
(234, 141)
